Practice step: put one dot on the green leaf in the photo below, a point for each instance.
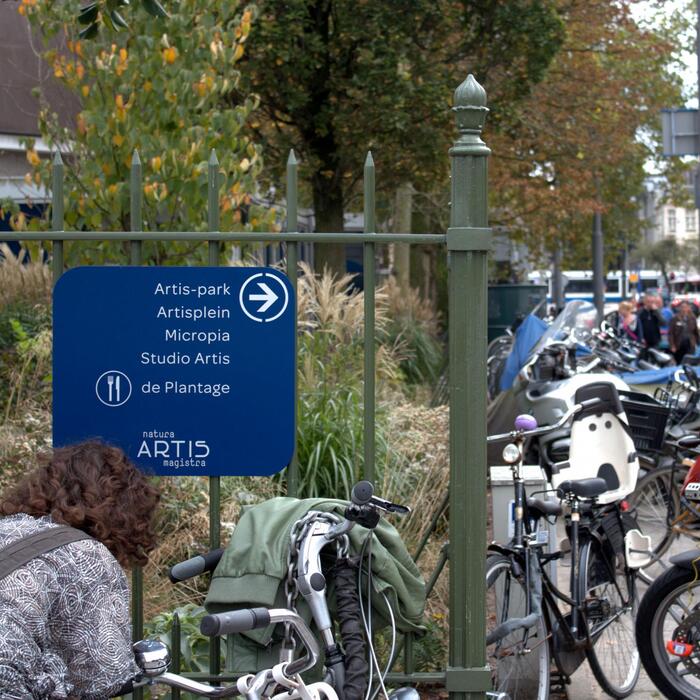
(154, 8)
(88, 14)
(89, 32)
(118, 20)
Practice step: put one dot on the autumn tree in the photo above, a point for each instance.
(167, 89)
(338, 77)
(579, 142)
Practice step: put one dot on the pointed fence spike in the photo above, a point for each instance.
(292, 160)
(135, 159)
(213, 160)
(57, 160)
(369, 161)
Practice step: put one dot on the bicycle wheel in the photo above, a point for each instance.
(520, 661)
(670, 610)
(608, 592)
(656, 503)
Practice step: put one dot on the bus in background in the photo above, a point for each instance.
(685, 286)
(578, 284)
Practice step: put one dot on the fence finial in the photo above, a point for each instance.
(135, 158)
(470, 105)
(369, 161)
(57, 160)
(213, 160)
(292, 160)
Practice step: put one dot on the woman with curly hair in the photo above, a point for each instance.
(64, 616)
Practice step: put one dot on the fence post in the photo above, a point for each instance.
(292, 273)
(213, 224)
(57, 214)
(468, 240)
(368, 285)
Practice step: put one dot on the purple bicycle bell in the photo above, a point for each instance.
(525, 422)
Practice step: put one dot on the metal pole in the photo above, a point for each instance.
(368, 277)
(57, 214)
(697, 128)
(624, 273)
(213, 185)
(557, 281)
(136, 224)
(598, 271)
(468, 240)
(292, 273)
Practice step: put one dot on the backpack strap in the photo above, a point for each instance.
(22, 551)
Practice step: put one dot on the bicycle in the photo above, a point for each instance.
(283, 680)
(668, 629)
(657, 505)
(526, 627)
(308, 538)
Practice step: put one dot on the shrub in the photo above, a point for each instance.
(331, 403)
(413, 326)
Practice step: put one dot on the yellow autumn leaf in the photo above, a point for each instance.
(170, 55)
(117, 140)
(238, 52)
(33, 158)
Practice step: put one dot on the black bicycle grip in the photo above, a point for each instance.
(234, 621)
(195, 566)
(362, 493)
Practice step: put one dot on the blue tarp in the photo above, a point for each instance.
(649, 376)
(528, 333)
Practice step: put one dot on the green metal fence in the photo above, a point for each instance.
(467, 242)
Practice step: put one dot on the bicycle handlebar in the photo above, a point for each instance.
(514, 434)
(363, 495)
(234, 622)
(195, 566)
(254, 618)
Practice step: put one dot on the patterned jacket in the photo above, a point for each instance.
(64, 621)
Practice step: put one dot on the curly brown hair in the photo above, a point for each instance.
(95, 488)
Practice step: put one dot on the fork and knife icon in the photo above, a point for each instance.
(113, 388)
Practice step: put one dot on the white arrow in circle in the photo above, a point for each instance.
(269, 297)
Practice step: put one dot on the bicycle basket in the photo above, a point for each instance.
(647, 419)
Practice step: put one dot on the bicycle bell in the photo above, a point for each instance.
(152, 657)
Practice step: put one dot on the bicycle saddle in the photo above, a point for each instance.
(688, 442)
(539, 508)
(583, 488)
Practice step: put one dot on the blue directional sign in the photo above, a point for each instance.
(189, 370)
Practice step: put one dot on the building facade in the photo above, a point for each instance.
(663, 219)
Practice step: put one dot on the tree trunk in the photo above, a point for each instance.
(424, 262)
(402, 224)
(328, 212)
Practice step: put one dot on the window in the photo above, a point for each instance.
(579, 287)
(671, 220)
(690, 220)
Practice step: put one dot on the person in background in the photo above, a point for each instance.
(628, 324)
(65, 629)
(683, 332)
(651, 320)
